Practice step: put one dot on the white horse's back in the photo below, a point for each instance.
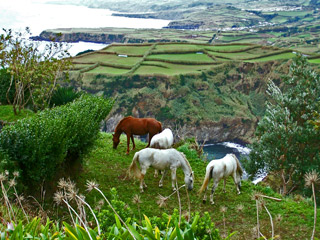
(161, 159)
(222, 168)
(163, 140)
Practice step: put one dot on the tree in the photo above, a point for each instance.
(287, 143)
(34, 72)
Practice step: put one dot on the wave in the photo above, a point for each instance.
(241, 149)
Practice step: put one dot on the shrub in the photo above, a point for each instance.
(63, 95)
(37, 146)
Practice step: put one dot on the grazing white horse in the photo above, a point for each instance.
(161, 159)
(227, 166)
(162, 140)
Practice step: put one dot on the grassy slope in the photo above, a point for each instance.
(109, 167)
(184, 58)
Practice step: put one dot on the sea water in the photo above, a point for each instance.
(39, 16)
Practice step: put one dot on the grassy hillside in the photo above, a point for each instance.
(170, 59)
(217, 90)
(293, 217)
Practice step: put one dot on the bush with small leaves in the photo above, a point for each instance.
(39, 145)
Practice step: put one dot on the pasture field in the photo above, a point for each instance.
(170, 59)
(109, 70)
(155, 67)
(127, 50)
(292, 217)
(107, 58)
(189, 57)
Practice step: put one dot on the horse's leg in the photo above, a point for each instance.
(161, 180)
(173, 178)
(134, 146)
(150, 136)
(128, 143)
(214, 186)
(155, 173)
(142, 183)
(224, 185)
(236, 182)
(204, 200)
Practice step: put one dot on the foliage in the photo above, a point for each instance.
(4, 86)
(63, 95)
(106, 216)
(37, 146)
(34, 73)
(286, 140)
(34, 229)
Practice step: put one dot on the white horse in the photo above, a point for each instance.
(162, 140)
(229, 165)
(161, 159)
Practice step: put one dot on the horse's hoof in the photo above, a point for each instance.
(127, 153)
(212, 203)
(160, 186)
(204, 201)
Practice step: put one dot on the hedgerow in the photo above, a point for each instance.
(38, 146)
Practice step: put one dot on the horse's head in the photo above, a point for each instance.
(115, 140)
(188, 179)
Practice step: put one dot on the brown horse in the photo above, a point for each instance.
(135, 126)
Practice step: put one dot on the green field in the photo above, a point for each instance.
(189, 57)
(170, 69)
(128, 50)
(171, 59)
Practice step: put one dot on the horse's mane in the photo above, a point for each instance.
(239, 168)
(185, 158)
(121, 121)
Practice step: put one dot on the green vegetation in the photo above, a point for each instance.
(170, 59)
(7, 114)
(287, 143)
(33, 73)
(105, 164)
(37, 146)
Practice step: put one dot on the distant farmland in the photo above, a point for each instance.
(170, 59)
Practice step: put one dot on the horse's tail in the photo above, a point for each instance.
(134, 167)
(206, 179)
(239, 168)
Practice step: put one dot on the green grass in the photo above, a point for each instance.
(178, 58)
(108, 167)
(274, 57)
(135, 50)
(154, 67)
(228, 48)
(316, 60)
(109, 70)
(178, 47)
(189, 57)
(7, 114)
(234, 56)
(107, 58)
